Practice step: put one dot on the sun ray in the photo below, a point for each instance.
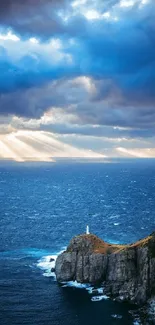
(39, 146)
(137, 153)
(8, 153)
(24, 150)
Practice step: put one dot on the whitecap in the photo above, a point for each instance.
(99, 298)
(95, 214)
(93, 290)
(116, 316)
(49, 274)
(114, 217)
(100, 290)
(47, 263)
(90, 290)
(136, 322)
(76, 284)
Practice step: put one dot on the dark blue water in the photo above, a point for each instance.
(42, 206)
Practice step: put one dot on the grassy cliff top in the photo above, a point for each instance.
(91, 243)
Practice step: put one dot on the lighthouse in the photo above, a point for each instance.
(87, 230)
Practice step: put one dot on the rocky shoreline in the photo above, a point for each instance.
(126, 272)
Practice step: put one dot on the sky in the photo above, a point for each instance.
(77, 79)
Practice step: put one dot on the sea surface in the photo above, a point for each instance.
(42, 206)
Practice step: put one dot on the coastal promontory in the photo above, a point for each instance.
(127, 272)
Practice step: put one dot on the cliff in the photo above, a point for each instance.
(127, 272)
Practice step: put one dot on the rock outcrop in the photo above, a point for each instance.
(127, 272)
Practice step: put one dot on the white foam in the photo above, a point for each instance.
(46, 264)
(116, 316)
(99, 298)
(49, 274)
(76, 284)
(136, 322)
(92, 290)
(115, 217)
(96, 292)
(100, 290)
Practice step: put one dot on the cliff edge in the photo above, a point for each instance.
(127, 272)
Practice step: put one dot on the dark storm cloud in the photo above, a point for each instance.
(30, 103)
(33, 102)
(118, 55)
(31, 17)
(43, 18)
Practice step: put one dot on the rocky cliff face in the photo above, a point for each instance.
(126, 272)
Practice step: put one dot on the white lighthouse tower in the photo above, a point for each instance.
(87, 230)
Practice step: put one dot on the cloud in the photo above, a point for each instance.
(120, 55)
(46, 18)
(31, 16)
(76, 102)
(32, 65)
(89, 66)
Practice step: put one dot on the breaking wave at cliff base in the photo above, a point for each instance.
(47, 264)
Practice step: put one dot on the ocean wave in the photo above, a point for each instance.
(47, 264)
(99, 298)
(116, 316)
(93, 290)
(115, 217)
(137, 322)
(97, 294)
(76, 284)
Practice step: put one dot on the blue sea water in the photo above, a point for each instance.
(42, 206)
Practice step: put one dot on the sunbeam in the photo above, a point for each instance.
(39, 146)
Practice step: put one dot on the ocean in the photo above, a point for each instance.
(42, 206)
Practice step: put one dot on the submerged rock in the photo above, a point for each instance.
(127, 272)
(52, 259)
